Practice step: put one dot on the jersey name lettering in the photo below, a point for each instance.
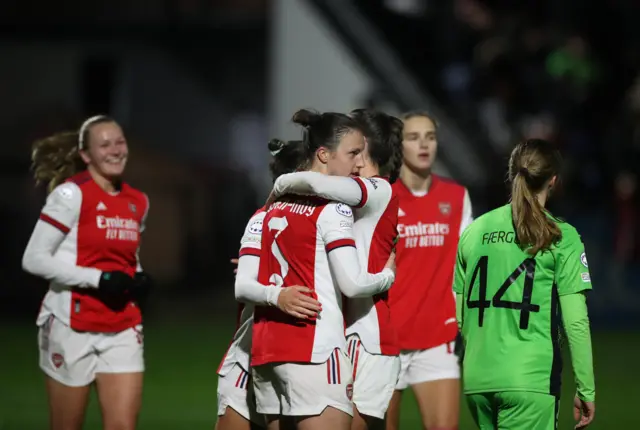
(295, 208)
(423, 235)
(498, 237)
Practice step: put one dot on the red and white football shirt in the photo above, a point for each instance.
(376, 217)
(422, 300)
(101, 232)
(240, 349)
(297, 237)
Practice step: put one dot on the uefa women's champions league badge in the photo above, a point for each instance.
(65, 191)
(256, 227)
(344, 210)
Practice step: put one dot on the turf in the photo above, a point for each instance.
(180, 384)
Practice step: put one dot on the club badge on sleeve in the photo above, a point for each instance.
(583, 260)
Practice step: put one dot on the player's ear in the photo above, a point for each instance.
(552, 183)
(323, 155)
(85, 156)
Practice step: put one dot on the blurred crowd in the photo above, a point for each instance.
(558, 70)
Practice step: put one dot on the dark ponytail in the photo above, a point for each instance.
(287, 156)
(392, 168)
(532, 165)
(323, 129)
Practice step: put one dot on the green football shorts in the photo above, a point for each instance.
(514, 410)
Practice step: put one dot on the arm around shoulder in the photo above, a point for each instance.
(346, 190)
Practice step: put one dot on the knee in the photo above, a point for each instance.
(441, 422)
(119, 423)
(66, 425)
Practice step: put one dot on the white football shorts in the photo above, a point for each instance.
(427, 365)
(74, 358)
(374, 378)
(296, 389)
(235, 391)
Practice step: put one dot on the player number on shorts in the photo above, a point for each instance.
(279, 225)
(526, 268)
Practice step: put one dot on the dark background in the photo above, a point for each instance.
(188, 79)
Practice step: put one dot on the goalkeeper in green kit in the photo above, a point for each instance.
(520, 274)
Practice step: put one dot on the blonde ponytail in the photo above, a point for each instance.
(55, 159)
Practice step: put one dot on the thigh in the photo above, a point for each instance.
(236, 397)
(232, 420)
(533, 411)
(482, 410)
(119, 377)
(309, 389)
(120, 397)
(439, 403)
(375, 379)
(393, 412)
(67, 405)
(434, 376)
(330, 418)
(67, 356)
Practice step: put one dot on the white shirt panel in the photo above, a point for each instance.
(52, 252)
(467, 212)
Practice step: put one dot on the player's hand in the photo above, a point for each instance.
(115, 283)
(583, 412)
(142, 286)
(296, 302)
(391, 262)
(235, 261)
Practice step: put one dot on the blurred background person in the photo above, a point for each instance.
(86, 244)
(432, 214)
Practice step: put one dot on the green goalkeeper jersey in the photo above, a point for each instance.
(510, 319)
